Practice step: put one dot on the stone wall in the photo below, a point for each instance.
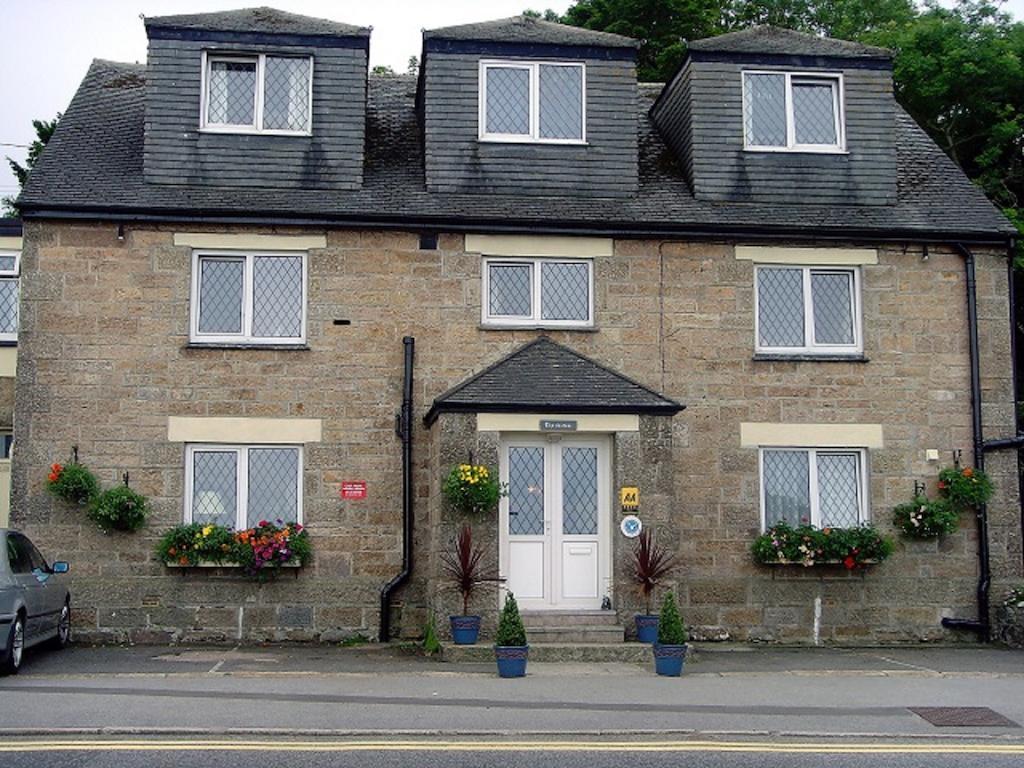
(104, 360)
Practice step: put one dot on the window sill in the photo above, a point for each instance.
(244, 345)
(8, 342)
(809, 358)
(243, 131)
(794, 151)
(538, 327)
(226, 566)
(527, 140)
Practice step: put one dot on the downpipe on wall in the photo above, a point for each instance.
(404, 430)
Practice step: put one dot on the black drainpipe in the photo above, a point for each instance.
(404, 429)
(981, 624)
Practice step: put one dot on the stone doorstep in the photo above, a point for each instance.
(577, 634)
(590, 653)
(533, 619)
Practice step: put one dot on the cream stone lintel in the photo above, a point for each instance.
(824, 257)
(8, 362)
(530, 422)
(539, 245)
(242, 242)
(10, 243)
(811, 435)
(231, 430)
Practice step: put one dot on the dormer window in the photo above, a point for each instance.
(257, 94)
(532, 102)
(790, 111)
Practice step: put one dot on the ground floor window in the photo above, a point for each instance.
(239, 485)
(816, 486)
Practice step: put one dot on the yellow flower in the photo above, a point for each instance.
(207, 530)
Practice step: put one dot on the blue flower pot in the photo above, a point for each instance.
(511, 660)
(669, 659)
(465, 629)
(646, 628)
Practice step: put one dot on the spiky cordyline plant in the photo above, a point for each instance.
(651, 564)
(464, 564)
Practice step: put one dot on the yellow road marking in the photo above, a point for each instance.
(126, 745)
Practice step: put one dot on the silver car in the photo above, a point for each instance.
(35, 604)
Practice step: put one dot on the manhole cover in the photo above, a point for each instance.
(963, 717)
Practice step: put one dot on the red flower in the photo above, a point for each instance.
(263, 524)
(968, 472)
(850, 563)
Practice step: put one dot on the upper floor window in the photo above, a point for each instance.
(538, 292)
(790, 111)
(9, 263)
(808, 310)
(257, 93)
(252, 298)
(532, 101)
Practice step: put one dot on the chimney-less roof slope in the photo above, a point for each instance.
(524, 29)
(267, 21)
(786, 42)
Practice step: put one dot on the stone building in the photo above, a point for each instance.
(756, 293)
(10, 261)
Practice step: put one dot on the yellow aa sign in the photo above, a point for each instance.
(629, 498)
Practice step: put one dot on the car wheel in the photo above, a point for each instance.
(15, 647)
(63, 636)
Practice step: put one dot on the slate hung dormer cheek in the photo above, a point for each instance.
(770, 115)
(255, 98)
(528, 108)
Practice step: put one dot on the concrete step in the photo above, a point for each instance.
(568, 618)
(541, 653)
(577, 634)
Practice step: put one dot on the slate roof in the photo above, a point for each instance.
(524, 29)
(93, 163)
(10, 227)
(542, 377)
(267, 21)
(786, 42)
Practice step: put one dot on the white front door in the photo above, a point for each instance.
(555, 552)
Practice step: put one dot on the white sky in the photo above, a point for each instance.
(48, 44)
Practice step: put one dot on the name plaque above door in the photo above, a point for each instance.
(557, 425)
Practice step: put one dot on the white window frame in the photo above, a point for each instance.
(260, 59)
(811, 347)
(14, 276)
(241, 478)
(245, 337)
(534, 136)
(535, 318)
(835, 79)
(864, 506)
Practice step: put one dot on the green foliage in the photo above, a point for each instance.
(465, 567)
(670, 624)
(511, 631)
(651, 564)
(44, 131)
(924, 518)
(965, 489)
(547, 15)
(192, 543)
(354, 641)
(383, 70)
(119, 509)
(431, 645)
(74, 483)
(806, 545)
(472, 489)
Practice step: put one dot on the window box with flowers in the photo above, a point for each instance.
(807, 546)
(472, 489)
(260, 551)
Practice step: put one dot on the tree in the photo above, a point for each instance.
(44, 131)
(548, 15)
(382, 70)
(845, 19)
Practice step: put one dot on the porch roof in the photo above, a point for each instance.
(546, 377)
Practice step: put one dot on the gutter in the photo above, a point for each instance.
(404, 429)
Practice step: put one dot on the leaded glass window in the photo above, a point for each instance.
(808, 310)
(239, 486)
(783, 110)
(249, 298)
(9, 291)
(532, 101)
(538, 292)
(813, 486)
(258, 93)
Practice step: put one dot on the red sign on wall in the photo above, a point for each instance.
(353, 489)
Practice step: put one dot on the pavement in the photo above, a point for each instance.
(327, 690)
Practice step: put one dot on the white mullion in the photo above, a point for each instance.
(190, 468)
(248, 295)
(536, 310)
(810, 342)
(261, 63)
(242, 490)
(535, 101)
(790, 118)
(812, 475)
(299, 518)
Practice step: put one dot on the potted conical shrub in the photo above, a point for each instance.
(651, 564)
(465, 567)
(670, 650)
(510, 648)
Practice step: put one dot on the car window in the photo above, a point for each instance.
(17, 554)
(36, 559)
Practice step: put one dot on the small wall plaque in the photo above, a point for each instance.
(631, 526)
(629, 498)
(353, 489)
(557, 425)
